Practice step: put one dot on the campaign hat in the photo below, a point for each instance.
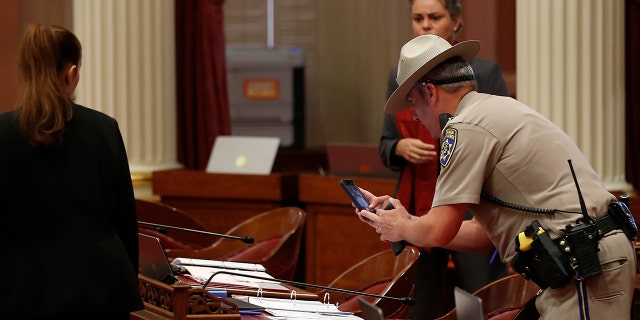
(418, 57)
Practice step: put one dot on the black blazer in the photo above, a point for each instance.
(69, 240)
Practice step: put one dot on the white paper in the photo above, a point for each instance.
(308, 306)
(202, 274)
(285, 314)
(219, 264)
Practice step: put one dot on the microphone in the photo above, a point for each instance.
(245, 239)
(405, 300)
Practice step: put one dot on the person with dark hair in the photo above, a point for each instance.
(533, 194)
(406, 146)
(70, 240)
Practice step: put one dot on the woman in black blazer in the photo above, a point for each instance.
(69, 230)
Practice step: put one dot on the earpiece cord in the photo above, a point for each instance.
(518, 207)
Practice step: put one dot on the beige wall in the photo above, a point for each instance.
(349, 47)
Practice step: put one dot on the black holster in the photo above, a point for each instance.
(542, 262)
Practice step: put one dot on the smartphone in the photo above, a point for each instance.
(358, 199)
(356, 195)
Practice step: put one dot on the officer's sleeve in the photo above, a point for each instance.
(468, 155)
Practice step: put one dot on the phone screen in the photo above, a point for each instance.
(354, 193)
(361, 203)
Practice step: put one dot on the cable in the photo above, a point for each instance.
(518, 207)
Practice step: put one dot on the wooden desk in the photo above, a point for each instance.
(335, 239)
(220, 201)
(182, 302)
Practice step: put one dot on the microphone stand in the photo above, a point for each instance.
(406, 300)
(245, 239)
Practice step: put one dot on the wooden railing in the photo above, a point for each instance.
(181, 302)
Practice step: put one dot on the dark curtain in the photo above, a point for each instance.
(202, 101)
(632, 52)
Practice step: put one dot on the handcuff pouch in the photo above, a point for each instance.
(622, 215)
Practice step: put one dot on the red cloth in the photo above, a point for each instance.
(417, 182)
(201, 81)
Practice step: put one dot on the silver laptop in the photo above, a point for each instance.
(153, 260)
(243, 155)
(468, 306)
(369, 310)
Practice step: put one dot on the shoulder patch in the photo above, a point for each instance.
(448, 145)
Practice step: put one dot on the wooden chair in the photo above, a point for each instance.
(160, 213)
(503, 298)
(277, 234)
(382, 274)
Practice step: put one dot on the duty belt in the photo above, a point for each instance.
(552, 263)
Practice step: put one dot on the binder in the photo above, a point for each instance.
(299, 308)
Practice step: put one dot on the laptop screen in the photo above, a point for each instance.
(468, 306)
(369, 310)
(153, 260)
(243, 155)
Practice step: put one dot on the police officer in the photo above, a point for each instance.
(510, 166)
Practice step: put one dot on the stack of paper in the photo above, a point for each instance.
(202, 274)
(228, 274)
(218, 264)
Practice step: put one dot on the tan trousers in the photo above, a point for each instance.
(609, 294)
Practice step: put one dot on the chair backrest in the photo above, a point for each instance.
(160, 213)
(382, 274)
(277, 234)
(503, 298)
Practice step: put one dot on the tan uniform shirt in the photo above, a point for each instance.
(506, 149)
